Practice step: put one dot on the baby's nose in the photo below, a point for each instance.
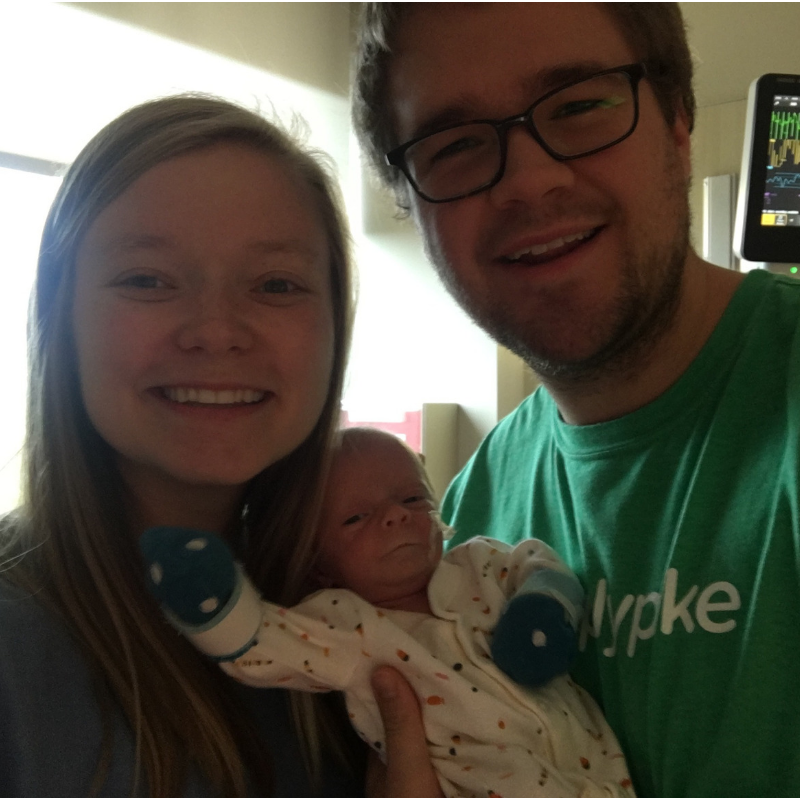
(395, 515)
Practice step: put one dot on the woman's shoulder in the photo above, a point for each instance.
(51, 727)
(34, 640)
(50, 722)
(25, 622)
(45, 701)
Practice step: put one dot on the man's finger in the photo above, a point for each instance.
(408, 766)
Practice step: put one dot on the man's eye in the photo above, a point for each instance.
(577, 107)
(459, 146)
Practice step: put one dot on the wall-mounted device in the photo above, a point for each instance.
(768, 210)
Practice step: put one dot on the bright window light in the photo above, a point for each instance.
(25, 198)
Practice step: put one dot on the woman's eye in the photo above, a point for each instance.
(142, 281)
(277, 286)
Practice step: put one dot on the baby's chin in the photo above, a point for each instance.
(407, 594)
(412, 601)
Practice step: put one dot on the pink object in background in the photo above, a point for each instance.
(409, 429)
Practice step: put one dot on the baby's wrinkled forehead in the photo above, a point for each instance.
(369, 443)
(368, 455)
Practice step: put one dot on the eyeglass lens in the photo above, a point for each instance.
(574, 121)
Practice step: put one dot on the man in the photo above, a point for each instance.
(543, 151)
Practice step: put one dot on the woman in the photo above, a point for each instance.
(188, 339)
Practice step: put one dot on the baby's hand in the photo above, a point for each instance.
(533, 641)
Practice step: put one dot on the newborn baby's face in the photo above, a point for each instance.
(379, 536)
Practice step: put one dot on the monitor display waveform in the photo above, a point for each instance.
(785, 125)
(780, 151)
(781, 205)
(784, 180)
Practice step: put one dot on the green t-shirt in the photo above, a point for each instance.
(682, 520)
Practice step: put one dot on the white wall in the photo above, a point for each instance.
(24, 200)
(412, 344)
(305, 42)
(67, 72)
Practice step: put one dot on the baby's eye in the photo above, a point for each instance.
(416, 498)
(352, 520)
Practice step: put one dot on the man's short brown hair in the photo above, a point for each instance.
(654, 31)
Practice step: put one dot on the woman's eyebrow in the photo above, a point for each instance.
(130, 242)
(269, 246)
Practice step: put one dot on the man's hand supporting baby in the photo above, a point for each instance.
(408, 771)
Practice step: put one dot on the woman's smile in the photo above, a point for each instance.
(221, 397)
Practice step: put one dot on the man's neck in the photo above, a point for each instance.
(705, 295)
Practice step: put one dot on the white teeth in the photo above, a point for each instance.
(541, 249)
(225, 397)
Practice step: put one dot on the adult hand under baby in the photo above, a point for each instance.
(408, 771)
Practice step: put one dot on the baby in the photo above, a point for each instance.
(456, 626)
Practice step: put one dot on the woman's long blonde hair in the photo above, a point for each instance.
(70, 539)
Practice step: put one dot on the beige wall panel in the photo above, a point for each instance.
(717, 144)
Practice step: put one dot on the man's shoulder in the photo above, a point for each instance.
(486, 497)
(769, 298)
(512, 438)
(512, 442)
(765, 318)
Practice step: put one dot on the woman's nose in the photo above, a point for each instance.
(215, 324)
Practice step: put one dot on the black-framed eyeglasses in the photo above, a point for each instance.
(578, 119)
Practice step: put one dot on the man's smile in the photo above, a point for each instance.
(538, 253)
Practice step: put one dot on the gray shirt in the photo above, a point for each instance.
(50, 725)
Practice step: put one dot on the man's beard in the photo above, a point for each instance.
(642, 311)
(634, 324)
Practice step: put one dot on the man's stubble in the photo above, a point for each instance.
(619, 341)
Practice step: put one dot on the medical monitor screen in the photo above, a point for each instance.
(768, 210)
(782, 184)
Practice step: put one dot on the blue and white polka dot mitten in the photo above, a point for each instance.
(202, 590)
(536, 637)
